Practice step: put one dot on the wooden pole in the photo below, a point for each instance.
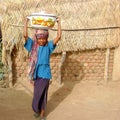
(10, 74)
(60, 67)
(106, 66)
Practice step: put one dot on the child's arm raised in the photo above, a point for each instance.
(26, 29)
(59, 32)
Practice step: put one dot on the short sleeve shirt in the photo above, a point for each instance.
(42, 69)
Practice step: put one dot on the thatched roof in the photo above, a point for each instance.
(86, 24)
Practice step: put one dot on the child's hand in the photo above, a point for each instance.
(58, 19)
(26, 19)
(32, 82)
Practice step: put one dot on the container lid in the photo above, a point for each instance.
(43, 13)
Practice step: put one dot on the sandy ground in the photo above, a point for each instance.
(74, 100)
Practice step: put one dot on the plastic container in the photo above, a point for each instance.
(42, 20)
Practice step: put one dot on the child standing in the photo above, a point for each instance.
(40, 73)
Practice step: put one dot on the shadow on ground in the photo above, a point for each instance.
(67, 85)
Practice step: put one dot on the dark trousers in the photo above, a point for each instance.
(40, 94)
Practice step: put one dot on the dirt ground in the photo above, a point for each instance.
(73, 100)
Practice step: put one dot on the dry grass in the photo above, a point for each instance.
(81, 17)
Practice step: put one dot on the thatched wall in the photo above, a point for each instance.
(86, 24)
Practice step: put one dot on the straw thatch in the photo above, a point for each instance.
(86, 24)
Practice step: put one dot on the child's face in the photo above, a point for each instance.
(42, 41)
